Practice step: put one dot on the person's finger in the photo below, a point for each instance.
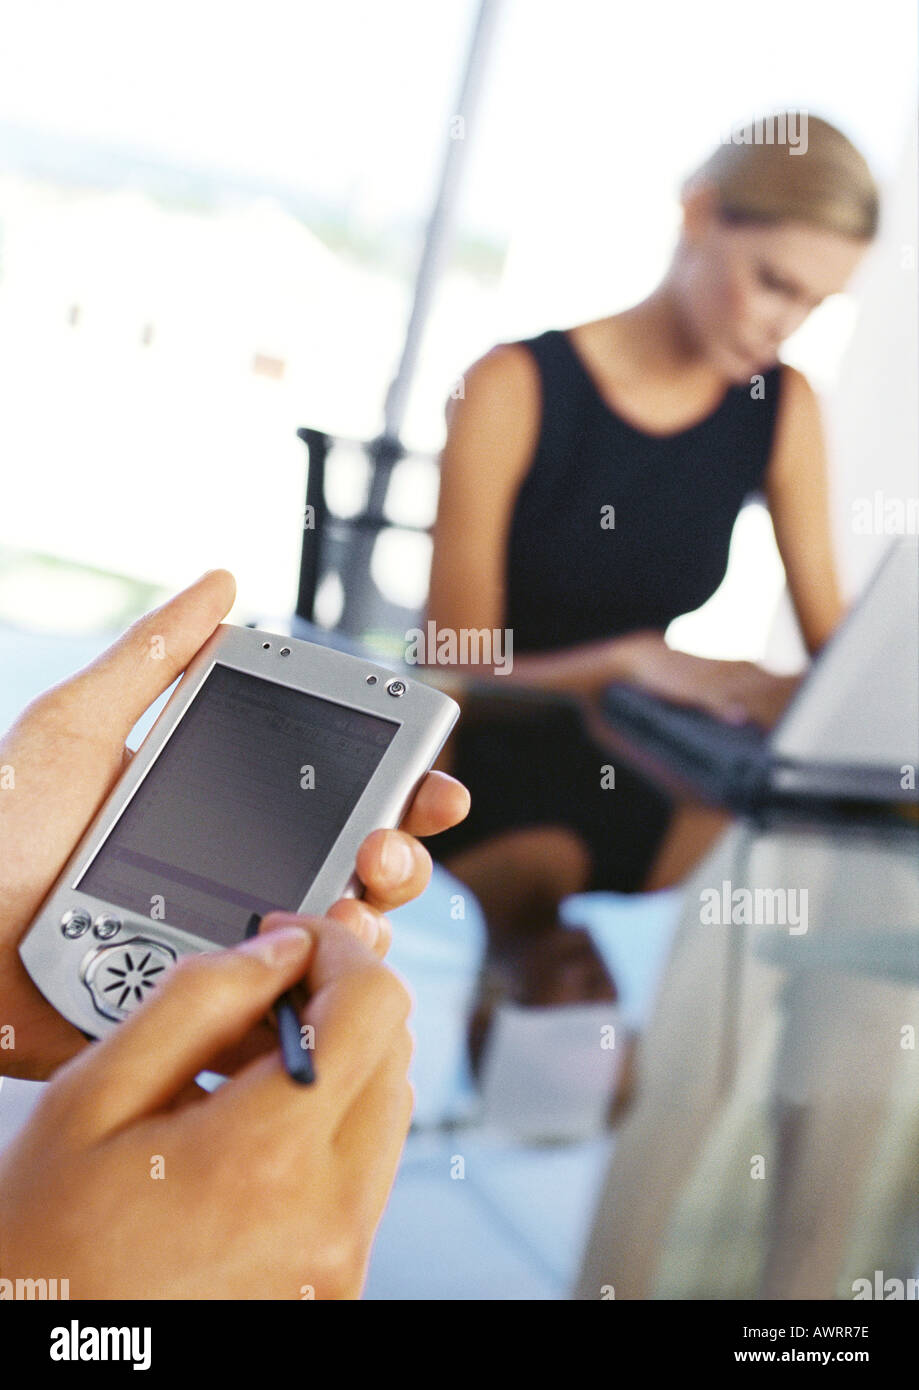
(389, 1083)
(207, 1003)
(261, 1039)
(440, 801)
(371, 1136)
(365, 921)
(393, 867)
(355, 1006)
(144, 661)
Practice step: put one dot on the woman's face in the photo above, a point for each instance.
(745, 289)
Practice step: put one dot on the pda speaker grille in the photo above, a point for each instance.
(121, 977)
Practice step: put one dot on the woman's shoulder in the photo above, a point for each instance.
(517, 381)
(504, 382)
(795, 389)
(798, 430)
(794, 401)
(493, 419)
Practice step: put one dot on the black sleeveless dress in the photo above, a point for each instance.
(571, 579)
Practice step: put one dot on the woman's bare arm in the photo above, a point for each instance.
(797, 492)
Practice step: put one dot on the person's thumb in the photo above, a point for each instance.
(121, 683)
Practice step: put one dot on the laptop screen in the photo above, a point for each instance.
(859, 706)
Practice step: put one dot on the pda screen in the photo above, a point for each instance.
(240, 808)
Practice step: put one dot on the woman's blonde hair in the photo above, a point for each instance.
(812, 174)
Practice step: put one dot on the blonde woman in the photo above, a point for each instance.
(672, 413)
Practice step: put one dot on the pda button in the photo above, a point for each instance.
(106, 926)
(75, 922)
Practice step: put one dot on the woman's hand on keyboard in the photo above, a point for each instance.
(736, 691)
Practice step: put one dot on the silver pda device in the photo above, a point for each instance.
(271, 762)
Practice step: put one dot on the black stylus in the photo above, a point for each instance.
(297, 1058)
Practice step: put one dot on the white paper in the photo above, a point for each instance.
(550, 1073)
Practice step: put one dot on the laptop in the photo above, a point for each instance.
(849, 737)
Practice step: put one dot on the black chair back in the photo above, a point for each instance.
(366, 548)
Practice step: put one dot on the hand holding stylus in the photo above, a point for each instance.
(261, 1190)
